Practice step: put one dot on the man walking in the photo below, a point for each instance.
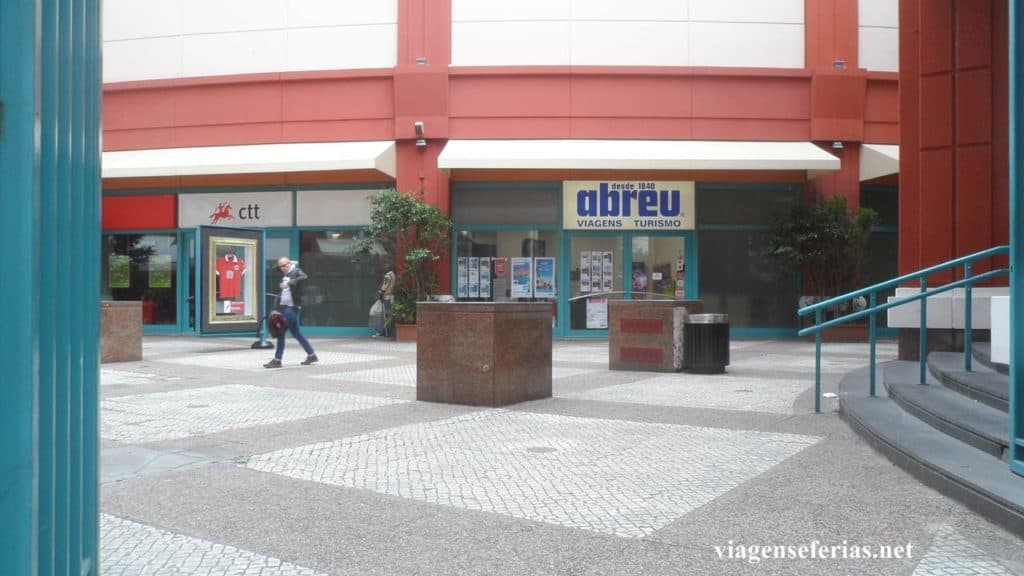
(291, 307)
(386, 293)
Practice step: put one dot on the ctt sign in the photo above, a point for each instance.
(639, 205)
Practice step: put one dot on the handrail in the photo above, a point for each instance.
(994, 251)
(874, 308)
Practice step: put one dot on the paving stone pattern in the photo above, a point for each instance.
(253, 360)
(191, 412)
(951, 554)
(110, 377)
(722, 392)
(614, 477)
(130, 549)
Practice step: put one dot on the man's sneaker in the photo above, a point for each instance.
(311, 359)
(275, 363)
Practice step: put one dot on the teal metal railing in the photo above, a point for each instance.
(873, 308)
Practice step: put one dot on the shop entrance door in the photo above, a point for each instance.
(603, 267)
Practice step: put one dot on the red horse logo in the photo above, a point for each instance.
(222, 212)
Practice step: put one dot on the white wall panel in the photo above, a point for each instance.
(510, 43)
(153, 39)
(659, 10)
(206, 17)
(878, 40)
(764, 11)
(739, 44)
(503, 10)
(144, 59)
(313, 13)
(879, 49)
(236, 53)
(342, 47)
(630, 43)
(878, 13)
(125, 19)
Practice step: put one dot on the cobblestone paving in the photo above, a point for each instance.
(951, 554)
(722, 392)
(589, 354)
(253, 360)
(110, 377)
(776, 362)
(404, 375)
(615, 477)
(152, 347)
(129, 549)
(384, 346)
(565, 372)
(183, 413)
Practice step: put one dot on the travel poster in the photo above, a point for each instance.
(119, 271)
(485, 277)
(584, 272)
(596, 271)
(474, 277)
(597, 313)
(463, 278)
(522, 285)
(160, 271)
(544, 277)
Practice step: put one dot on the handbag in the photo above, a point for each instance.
(276, 324)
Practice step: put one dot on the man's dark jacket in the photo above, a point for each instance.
(295, 278)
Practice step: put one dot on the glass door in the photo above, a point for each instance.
(595, 277)
(658, 266)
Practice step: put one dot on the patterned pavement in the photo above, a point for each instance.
(302, 471)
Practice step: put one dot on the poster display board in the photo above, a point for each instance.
(474, 277)
(544, 277)
(230, 279)
(120, 271)
(485, 277)
(160, 271)
(462, 277)
(522, 278)
(585, 271)
(597, 313)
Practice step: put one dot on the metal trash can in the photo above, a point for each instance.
(706, 343)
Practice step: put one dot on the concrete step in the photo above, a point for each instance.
(983, 353)
(978, 479)
(982, 383)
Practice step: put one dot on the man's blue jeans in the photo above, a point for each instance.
(383, 328)
(291, 315)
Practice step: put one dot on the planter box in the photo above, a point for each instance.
(405, 332)
(647, 335)
(483, 353)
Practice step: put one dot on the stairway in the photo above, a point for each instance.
(951, 433)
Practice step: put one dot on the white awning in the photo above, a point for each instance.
(879, 160)
(634, 155)
(258, 158)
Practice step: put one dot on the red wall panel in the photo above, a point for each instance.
(154, 212)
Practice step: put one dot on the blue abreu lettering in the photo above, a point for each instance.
(615, 202)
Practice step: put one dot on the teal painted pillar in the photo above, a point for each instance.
(50, 90)
(1016, 404)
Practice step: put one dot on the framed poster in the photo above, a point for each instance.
(463, 277)
(522, 278)
(474, 277)
(485, 277)
(585, 272)
(597, 313)
(230, 279)
(607, 272)
(120, 271)
(160, 271)
(544, 277)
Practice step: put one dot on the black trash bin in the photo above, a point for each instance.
(706, 343)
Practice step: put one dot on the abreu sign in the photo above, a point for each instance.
(639, 205)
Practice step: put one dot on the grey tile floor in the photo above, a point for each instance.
(215, 466)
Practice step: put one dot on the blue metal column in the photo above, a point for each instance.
(1016, 404)
(49, 229)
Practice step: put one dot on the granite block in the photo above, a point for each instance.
(647, 335)
(120, 331)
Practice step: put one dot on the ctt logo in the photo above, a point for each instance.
(223, 212)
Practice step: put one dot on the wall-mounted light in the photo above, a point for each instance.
(837, 145)
(421, 61)
(839, 64)
(420, 140)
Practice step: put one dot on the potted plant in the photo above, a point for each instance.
(405, 225)
(825, 243)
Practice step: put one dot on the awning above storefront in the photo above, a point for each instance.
(634, 155)
(878, 160)
(254, 159)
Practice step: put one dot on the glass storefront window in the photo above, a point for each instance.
(596, 269)
(659, 267)
(142, 267)
(341, 287)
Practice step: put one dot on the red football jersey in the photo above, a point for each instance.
(229, 273)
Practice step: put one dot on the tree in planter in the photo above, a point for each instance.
(825, 243)
(404, 224)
